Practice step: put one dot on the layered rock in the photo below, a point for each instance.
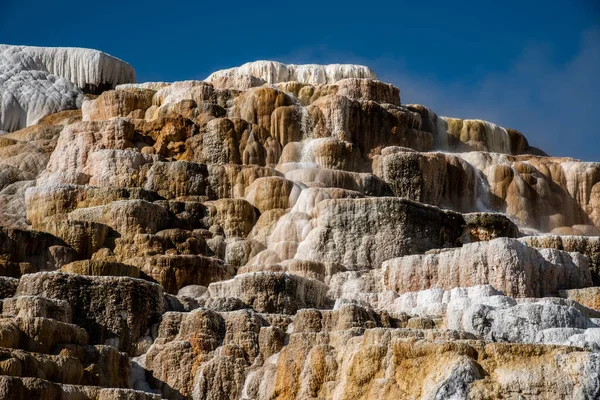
(24, 251)
(275, 72)
(114, 311)
(439, 179)
(36, 81)
(549, 194)
(477, 135)
(507, 265)
(273, 292)
(588, 246)
(284, 231)
(353, 232)
(538, 192)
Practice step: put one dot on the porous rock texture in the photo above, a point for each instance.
(282, 232)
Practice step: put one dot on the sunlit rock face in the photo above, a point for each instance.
(543, 193)
(506, 264)
(440, 179)
(36, 81)
(549, 194)
(478, 135)
(349, 231)
(282, 231)
(276, 72)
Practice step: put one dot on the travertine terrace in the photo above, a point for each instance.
(282, 232)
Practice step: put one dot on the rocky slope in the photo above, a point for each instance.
(282, 231)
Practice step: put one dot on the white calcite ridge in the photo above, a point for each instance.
(277, 72)
(37, 81)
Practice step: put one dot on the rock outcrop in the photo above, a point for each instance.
(507, 265)
(37, 81)
(276, 72)
(282, 231)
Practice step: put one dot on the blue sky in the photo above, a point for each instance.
(530, 65)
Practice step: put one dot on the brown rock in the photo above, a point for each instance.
(176, 271)
(117, 103)
(115, 310)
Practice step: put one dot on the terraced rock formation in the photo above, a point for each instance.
(282, 232)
